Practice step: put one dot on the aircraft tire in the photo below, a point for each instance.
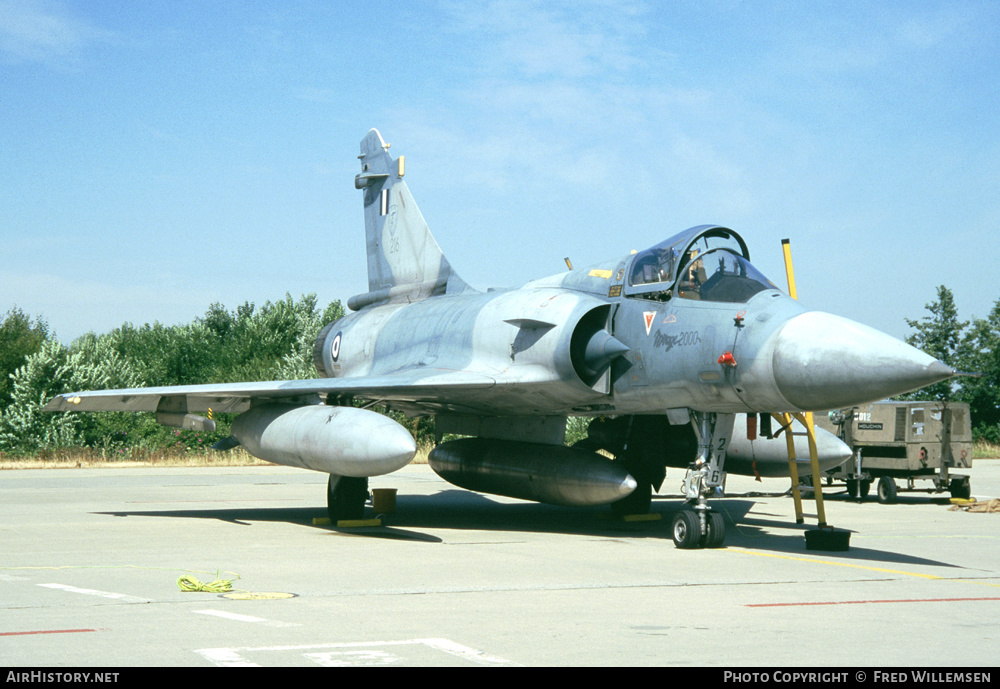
(886, 490)
(686, 530)
(345, 497)
(716, 535)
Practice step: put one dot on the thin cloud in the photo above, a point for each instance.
(38, 31)
(540, 41)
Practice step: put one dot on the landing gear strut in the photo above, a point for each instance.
(698, 526)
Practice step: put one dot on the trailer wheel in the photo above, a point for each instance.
(852, 487)
(858, 488)
(960, 488)
(886, 490)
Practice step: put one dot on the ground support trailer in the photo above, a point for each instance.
(903, 442)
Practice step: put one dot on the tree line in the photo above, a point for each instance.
(970, 346)
(275, 342)
(271, 342)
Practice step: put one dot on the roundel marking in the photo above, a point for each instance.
(335, 347)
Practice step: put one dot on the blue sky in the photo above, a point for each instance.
(156, 157)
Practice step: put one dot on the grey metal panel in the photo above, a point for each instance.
(236, 397)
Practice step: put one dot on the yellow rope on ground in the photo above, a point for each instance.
(188, 583)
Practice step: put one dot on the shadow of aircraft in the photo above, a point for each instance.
(462, 510)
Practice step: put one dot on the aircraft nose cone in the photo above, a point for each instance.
(822, 361)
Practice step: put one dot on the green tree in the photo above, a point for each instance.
(52, 370)
(164, 355)
(981, 354)
(298, 362)
(270, 343)
(940, 335)
(20, 337)
(273, 342)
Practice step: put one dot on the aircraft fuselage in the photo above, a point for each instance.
(677, 352)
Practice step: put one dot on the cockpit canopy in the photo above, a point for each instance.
(707, 262)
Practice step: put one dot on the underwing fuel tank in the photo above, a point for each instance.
(768, 457)
(337, 440)
(552, 474)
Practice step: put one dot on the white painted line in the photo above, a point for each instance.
(464, 652)
(225, 657)
(246, 618)
(11, 577)
(231, 616)
(94, 592)
(235, 657)
(363, 657)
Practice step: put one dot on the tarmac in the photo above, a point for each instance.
(90, 561)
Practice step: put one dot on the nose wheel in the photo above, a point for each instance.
(697, 525)
(688, 533)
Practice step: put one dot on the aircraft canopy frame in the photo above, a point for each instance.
(655, 272)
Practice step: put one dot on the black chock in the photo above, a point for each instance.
(828, 538)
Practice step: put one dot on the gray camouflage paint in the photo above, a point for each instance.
(423, 341)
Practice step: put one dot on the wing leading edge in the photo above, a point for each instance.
(431, 386)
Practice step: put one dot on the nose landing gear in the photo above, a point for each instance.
(698, 526)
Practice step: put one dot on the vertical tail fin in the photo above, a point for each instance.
(405, 263)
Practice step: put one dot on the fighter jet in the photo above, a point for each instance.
(666, 349)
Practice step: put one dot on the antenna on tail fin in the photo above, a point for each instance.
(405, 263)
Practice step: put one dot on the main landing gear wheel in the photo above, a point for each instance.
(345, 497)
(637, 502)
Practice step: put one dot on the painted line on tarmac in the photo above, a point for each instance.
(94, 592)
(978, 583)
(350, 653)
(836, 564)
(874, 569)
(236, 617)
(51, 631)
(866, 602)
(197, 502)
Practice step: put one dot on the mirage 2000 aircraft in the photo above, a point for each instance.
(667, 349)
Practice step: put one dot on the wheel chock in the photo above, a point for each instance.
(828, 538)
(651, 517)
(352, 523)
(347, 523)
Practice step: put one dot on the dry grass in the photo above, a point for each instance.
(985, 450)
(84, 457)
(423, 450)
